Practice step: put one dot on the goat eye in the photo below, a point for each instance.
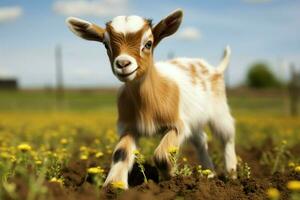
(148, 44)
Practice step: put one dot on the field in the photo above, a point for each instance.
(51, 150)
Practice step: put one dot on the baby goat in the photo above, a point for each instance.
(176, 98)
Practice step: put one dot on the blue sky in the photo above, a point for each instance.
(256, 30)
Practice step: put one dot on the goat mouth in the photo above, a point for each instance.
(125, 75)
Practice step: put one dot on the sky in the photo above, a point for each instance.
(256, 30)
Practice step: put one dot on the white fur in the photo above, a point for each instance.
(127, 24)
(198, 107)
(194, 108)
(119, 170)
(225, 61)
(126, 70)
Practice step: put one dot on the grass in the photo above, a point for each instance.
(37, 101)
(267, 113)
(97, 100)
(37, 131)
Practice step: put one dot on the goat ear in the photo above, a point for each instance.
(85, 29)
(167, 26)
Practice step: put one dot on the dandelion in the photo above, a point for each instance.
(136, 152)
(95, 170)
(24, 147)
(4, 155)
(99, 154)
(109, 151)
(291, 164)
(207, 172)
(293, 185)
(56, 180)
(83, 157)
(273, 193)
(173, 156)
(64, 141)
(284, 142)
(38, 162)
(173, 150)
(297, 169)
(83, 148)
(13, 158)
(118, 185)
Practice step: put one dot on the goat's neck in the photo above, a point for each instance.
(147, 90)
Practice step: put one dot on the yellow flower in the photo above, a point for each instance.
(297, 168)
(83, 148)
(56, 180)
(184, 159)
(13, 158)
(273, 193)
(291, 164)
(83, 157)
(99, 154)
(293, 185)
(4, 155)
(284, 142)
(24, 147)
(64, 141)
(118, 185)
(206, 172)
(38, 162)
(136, 152)
(173, 150)
(95, 170)
(109, 151)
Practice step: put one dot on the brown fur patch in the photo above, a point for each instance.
(194, 74)
(161, 154)
(203, 68)
(217, 84)
(197, 77)
(153, 101)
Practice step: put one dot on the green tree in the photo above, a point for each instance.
(260, 76)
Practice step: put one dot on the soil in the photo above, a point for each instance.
(78, 186)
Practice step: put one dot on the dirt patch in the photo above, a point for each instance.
(77, 186)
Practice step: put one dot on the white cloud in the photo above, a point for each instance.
(98, 8)
(189, 33)
(10, 13)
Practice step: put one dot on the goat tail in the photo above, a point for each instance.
(225, 60)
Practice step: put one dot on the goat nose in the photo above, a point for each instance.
(122, 63)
